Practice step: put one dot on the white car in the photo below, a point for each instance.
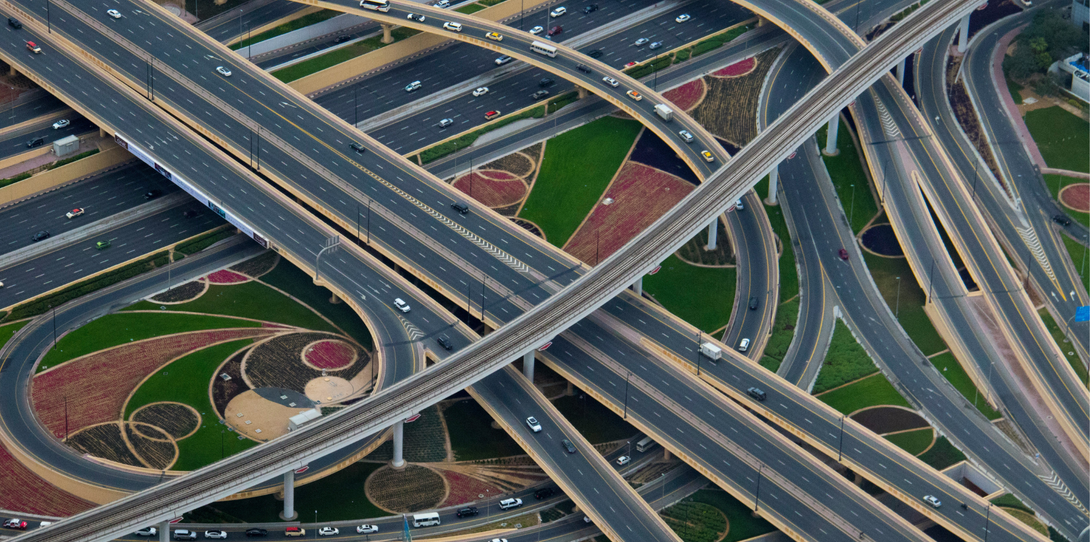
(147, 531)
(744, 345)
(329, 531)
(223, 71)
(930, 499)
(558, 12)
(442, 4)
(508, 504)
(642, 41)
(78, 211)
(219, 535)
(401, 305)
(480, 91)
(413, 86)
(682, 18)
(537, 30)
(453, 27)
(531, 422)
(498, 540)
(623, 460)
(415, 17)
(610, 81)
(60, 124)
(113, 13)
(367, 529)
(685, 135)
(656, 45)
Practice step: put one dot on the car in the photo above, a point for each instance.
(596, 53)
(584, 68)
(531, 422)
(460, 207)
(415, 85)
(359, 149)
(15, 523)
(74, 213)
(491, 115)
(147, 531)
(60, 124)
(223, 71)
(556, 30)
(558, 12)
(444, 341)
(537, 30)
(329, 531)
(102, 245)
(684, 17)
(934, 502)
(591, 8)
(256, 532)
(215, 534)
(843, 253)
(656, 45)
(503, 60)
(546, 82)
(452, 26)
(686, 136)
(498, 540)
(544, 493)
(190, 213)
(754, 302)
(152, 194)
(341, 39)
(508, 504)
(739, 205)
(587, 520)
(294, 531)
(401, 305)
(113, 13)
(610, 81)
(466, 512)
(14, 23)
(33, 47)
(743, 345)
(1061, 220)
(641, 42)
(185, 534)
(568, 446)
(708, 157)
(539, 95)
(36, 142)
(367, 529)
(416, 17)
(623, 460)
(443, 4)
(630, 64)
(494, 36)
(445, 122)
(756, 393)
(40, 236)
(636, 96)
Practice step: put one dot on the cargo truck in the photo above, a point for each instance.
(711, 351)
(665, 112)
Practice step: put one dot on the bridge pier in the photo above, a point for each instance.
(398, 461)
(901, 72)
(830, 141)
(289, 513)
(13, 72)
(334, 299)
(963, 34)
(582, 92)
(638, 286)
(102, 133)
(713, 232)
(528, 366)
(387, 37)
(164, 531)
(773, 185)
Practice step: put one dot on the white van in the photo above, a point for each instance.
(453, 27)
(425, 520)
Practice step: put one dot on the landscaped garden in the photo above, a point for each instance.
(701, 296)
(849, 178)
(1062, 138)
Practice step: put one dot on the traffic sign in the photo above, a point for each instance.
(792, 155)
(655, 270)
(302, 469)
(175, 520)
(544, 347)
(412, 418)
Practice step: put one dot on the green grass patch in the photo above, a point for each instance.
(71, 159)
(948, 365)
(247, 300)
(7, 331)
(472, 436)
(491, 3)
(592, 419)
(942, 454)
(909, 311)
(116, 329)
(300, 285)
(789, 275)
(1011, 501)
(871, 391)
(577, 167)
(913, 442)
(337, 56)
(15, 179)
(294, 24)
(202, 242)
(1079, 257)
(849, 178)
(739, 516)
(695, 521)
(702, 296)
(1014, 88)
(844, 362)
(647, 68)
(186, 380)
(783, 331)
(470, 8)
(1055, 184)
(1062, 138)
(719, 40)
(1066, 347)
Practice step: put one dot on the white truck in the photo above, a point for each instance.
(711, 351)
(665, 112)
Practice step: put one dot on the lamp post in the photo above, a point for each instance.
(330, 244)
(626, 379)
(757, 494)
(840, 449)
(897, 310)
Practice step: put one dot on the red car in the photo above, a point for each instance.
(15, 524)
(843, 254)
(33, 47)
(556, 30)
(630, 64)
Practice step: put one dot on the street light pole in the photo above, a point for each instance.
(897, 311)
(840, 449)
(757, 494)
(331, 243)
(626, 379)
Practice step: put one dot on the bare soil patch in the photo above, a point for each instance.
(412, 489)
(883, 420)
(157, 452)
(465, 488)
(257, 266)
(517, 164)
(277, 363)
(1077, 197)
(493, 188)
(729, 109)
(694, 250)
(175, 419)
(529, 226)
(104, 441)
(966, 115)
(180, 294)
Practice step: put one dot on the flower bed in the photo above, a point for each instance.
(1077, 197)
(278, 363)
(742, 67)
(224, 276)
(492, 187)
(464, 488)
(686, 96)
(330, 354)
(22, 490)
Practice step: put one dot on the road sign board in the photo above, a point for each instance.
(302, 469)
(412, 418)
(544, 347)
(655, 270)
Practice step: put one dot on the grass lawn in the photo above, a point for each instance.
(186, 381)
(247, 300)
(848, 177)
(1014, 88)
(594, 421)
(295, 24)
(913, 442)
(114, 329)
(470, 8)
(1011, 501)
(942, 454)
(948, 365)
(339, 497)
(702, 296)
(472, 436)
(1079, 258)
(577, 167)
(332, 58)
(910, 311)
(789, 276)
(1063, 342)
(871, 391)
(1055, 183)
(739, 516)
(7, 331)
(844, 362)
(1062, 138)
(300, 285)
(783, 332)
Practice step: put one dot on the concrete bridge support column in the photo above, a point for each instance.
(830, 141)
(901, 72)
(963, 34)
(773, 185)
(582, 92)
(399, 446)
(334, 299)
(164, 531)
(13, 72)
(713, 232)
(570, 391)
(528, 366)
(289, 497)
(387, 37)
(102, 133)
(638, 286)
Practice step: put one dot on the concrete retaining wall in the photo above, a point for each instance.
(47, 180)
(328, 26)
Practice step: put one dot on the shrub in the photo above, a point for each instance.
(71, 159)
(717, 41)
(15, 179)
(204, 241)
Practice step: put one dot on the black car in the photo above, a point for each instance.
(568, 446)
(591, 8)
(753, 302)
(444, 342)
(546, 82)
(1061, 220)
(466, 512)
(358, 148)
(583, 68)
(460, 207)
(41, 236)
(190, 213)
(342, 39)
(14, 23)
(36, 142)
(596, 53)
(544, 493)
(257, 532)
(152, 194)
(756, 393)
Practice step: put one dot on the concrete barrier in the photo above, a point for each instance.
(48, 180)
(335, 24)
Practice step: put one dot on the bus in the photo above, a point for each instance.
(646, 444)
(376, 5)
(543, 49)
(425, 520)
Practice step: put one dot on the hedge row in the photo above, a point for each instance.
(636, 72)
(205, 241)
(15, 179)
(71, 159)
(717, 41)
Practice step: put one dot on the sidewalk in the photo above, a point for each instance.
(1000, 82)
(86, 143)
